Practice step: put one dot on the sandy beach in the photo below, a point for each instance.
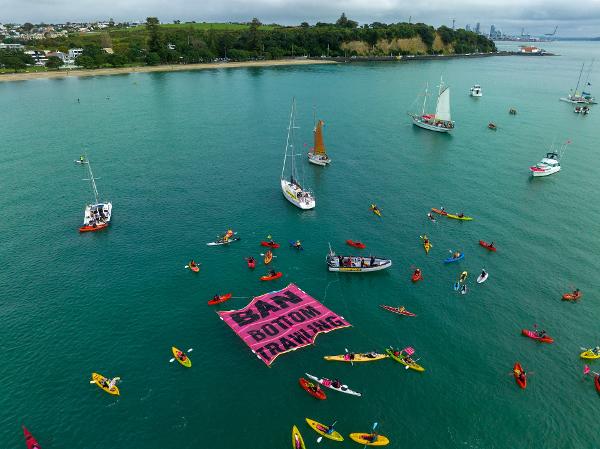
(161, 68)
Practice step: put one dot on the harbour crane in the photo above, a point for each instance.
(553, 33)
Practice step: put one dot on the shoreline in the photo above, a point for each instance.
(25, 76)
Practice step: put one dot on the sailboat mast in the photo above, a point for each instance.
(287, 143)
(425, 98)
(293, 140)
(579, 80)
(439, 92)
(93, 181)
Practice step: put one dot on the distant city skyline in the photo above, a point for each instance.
(537, 17)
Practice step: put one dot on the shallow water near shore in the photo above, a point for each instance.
(184, 156)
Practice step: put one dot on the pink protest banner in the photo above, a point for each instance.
(281, 321)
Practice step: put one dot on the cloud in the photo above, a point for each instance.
(536, 16)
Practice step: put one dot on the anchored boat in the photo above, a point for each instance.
(291, 188)
(97, 215)
(476, 91)
(550, 164)
(441, 120)
(318, 154)
(356, 264)
(583, 97)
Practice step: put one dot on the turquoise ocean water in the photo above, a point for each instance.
(184, 156)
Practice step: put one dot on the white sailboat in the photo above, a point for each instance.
(441, 120)
(97, 215)
(318, 154)
(584, 97)
(291, 188)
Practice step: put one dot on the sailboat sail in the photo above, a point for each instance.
(319, 145)
(442, 110)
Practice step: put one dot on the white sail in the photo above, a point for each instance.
(442, 110)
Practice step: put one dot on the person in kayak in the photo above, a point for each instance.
(491, 245)
(541, 334)
(483, 273)
(336, 383)
(455, 254)
(272, 273)
(461, 215)
(216, 297)
(596, 350)
(401, 309)
(81, 158)
(181, 356)
(192, 264)
(442, 209)
(297, 244)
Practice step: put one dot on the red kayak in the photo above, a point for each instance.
(356, 244)
(417, 275)
(520, 375)
(29, 440)
(272, 277)
(398, 310)
(487, 245)
(597, 382)
(535, 336)
(94, 228)
(572, 296)
(439, 211)
(306, 385)
(222, 298)
(251, 262)
(270, 244)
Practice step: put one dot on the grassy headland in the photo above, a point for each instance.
(190, 43)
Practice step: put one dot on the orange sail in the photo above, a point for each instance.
(319, 146)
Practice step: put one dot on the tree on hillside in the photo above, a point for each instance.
(253, 38)
(344, 22)
(54, 62)
(154, 41)
(86, 62)
(27, 26)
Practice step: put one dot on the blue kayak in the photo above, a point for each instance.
(454, 259)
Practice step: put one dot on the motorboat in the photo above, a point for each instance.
(356, 264)
(476, 91)
(547, 166)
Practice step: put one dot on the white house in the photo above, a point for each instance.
(74, 53)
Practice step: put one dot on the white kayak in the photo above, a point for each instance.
(80, 162)
(224, 242)
(328, 383)
(482, 278)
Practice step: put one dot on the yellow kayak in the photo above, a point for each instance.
(100, 379)
(375, 210)
(322, 429)
(179, 353)
(426, 244)
(456, 217)
(364, 438)
(589, 354)
(297, 441)
(368, 357)
(400, 359)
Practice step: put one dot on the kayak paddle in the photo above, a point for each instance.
(373, 432)
(351, 362)
(173, 359)
(330, 427)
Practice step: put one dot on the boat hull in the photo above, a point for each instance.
(578, 101)
(421, 124)
(291, 194)
(96, 217)
(540, 173)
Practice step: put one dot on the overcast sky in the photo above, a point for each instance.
(536, 16)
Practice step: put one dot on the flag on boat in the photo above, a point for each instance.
(409, 350)
(281, 321)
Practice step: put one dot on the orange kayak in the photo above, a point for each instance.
(268, 257)
(271, 278)
(222, 298)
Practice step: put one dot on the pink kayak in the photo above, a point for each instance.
(535, 336)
